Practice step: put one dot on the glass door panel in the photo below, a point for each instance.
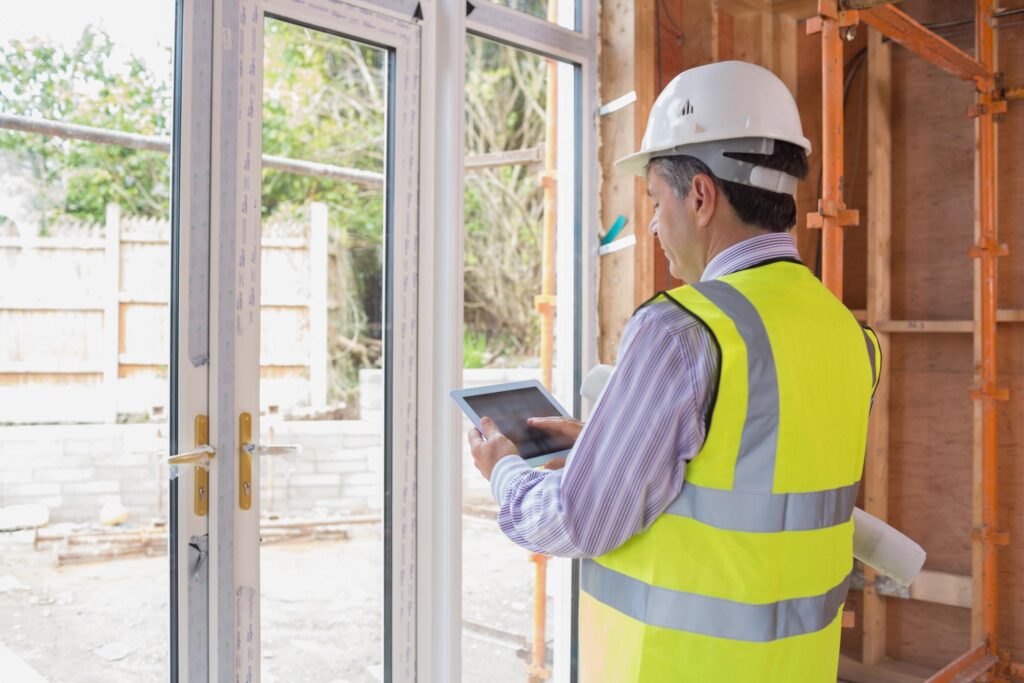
(518, 325)
(85, 263)
(322, 388)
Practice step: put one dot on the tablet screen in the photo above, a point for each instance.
(511, 409)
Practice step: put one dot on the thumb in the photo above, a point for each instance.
(489, 428)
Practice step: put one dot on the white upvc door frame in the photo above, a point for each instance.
(234, 634)
(573, 41)
(190, 318)
(423, 606)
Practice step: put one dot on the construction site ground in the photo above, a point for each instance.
(108, 621)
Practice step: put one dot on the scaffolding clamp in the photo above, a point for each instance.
(828, 9)
(832, 209)
(988, 248)
(987, 534)
(995, 107)
(545, 302)
(994, 393)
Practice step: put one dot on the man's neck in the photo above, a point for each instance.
(729, 234)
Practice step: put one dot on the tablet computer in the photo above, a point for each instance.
(510, 405)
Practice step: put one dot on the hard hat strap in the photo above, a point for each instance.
(734, 170)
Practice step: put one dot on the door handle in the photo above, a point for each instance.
(247, 449)
(200, 457)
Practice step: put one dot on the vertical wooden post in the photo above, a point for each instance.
(318, 304)
(783, 49)
(645, 76)
(879, 304)
(112, 308)
(832, 148)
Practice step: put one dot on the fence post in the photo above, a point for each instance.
(318, 305)
(112, 308)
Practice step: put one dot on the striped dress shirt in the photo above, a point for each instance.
(629, 461)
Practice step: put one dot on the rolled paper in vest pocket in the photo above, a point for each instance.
(885, 549)
(875, 543)
(595, 381)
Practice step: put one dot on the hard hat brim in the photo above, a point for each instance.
(636, 163)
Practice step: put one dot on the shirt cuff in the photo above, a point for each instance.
(507, 469)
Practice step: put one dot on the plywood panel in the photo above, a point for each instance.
(932, 278)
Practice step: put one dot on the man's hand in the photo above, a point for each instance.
(489, 448)
(563, 426)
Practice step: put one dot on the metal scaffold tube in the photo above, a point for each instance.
(987, 250)
(545, 303)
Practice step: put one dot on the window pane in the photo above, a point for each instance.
(84, 339)
(321, 383)
(561, 12)
(514, 167)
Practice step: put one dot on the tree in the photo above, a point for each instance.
(325, 101)
(505, 110)
(83, 85)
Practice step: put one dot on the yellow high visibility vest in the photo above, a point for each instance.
(744, 576)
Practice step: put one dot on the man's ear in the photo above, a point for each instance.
(704, 195)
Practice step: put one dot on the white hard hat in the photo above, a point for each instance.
(737, 106)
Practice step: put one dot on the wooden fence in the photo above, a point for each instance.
(84, 319)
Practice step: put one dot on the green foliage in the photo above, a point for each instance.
(474, 348)
(324, 101)
(505, 91)
(83, 85)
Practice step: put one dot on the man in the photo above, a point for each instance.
(711, 492)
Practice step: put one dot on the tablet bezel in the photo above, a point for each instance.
(460, 395)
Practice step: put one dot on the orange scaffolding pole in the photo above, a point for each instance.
(832, 215)
(537, 670)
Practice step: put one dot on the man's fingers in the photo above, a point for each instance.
(562, 425)
(474, 438)
(489, 428)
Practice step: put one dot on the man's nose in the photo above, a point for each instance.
(654, 226)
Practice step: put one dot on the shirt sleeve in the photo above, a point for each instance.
(629, 461)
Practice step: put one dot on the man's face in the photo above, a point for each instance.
(674, 224)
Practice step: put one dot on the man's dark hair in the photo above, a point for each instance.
(762, 208)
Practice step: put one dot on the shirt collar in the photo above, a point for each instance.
(775, 245)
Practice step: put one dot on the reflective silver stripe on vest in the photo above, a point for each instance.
(711, 616)
(755, 463)
(765, 512)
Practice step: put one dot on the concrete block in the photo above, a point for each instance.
(16, 475)
(128, 473)
(67, 474)
(342, 465)
(311, 492)
(30, 447)
(33, 489)
(51, 502)
(100, 447)
(98, 488)
(313, 480)
(360, 478)
(62, 460)
(364, 490)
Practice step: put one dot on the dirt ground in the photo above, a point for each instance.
(107, 622)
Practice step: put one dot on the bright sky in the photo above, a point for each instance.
(142, 27)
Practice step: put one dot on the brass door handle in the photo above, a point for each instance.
(200, 457)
